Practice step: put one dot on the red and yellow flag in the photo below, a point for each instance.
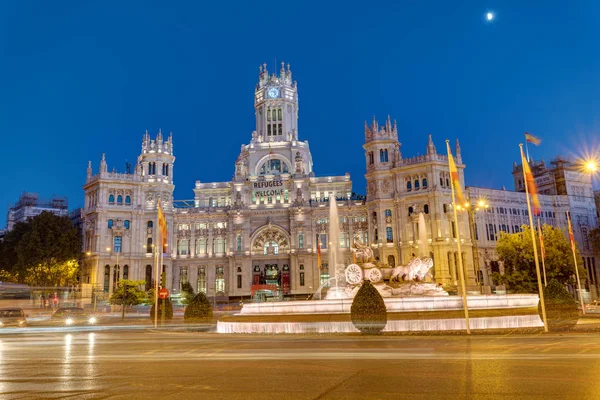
(318, 252)
(532, 139)
(543, 250)
(571, 236)
(460, 198)
(162, 225)
(531, 188)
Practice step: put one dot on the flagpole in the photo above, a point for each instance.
(156, 278)
(572, 239)
(461, 273)
(543, 252)
(535, 253)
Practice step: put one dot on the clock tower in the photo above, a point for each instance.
(276, 105)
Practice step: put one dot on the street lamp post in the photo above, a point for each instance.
(481, 204)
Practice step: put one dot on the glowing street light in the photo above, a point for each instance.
(591, 166)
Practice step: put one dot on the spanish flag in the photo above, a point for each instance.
(541, 240)
(532, 139)
(530, 183)
(460, 198)
(571, 236)
(318, 252)
(162, 225)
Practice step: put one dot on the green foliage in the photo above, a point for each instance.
(133, 294)
(515, 250)
(561, 307)
(594, 236)
(43, 251)
(198, 311)
(166, 304)
(187, 293)
(368, 311)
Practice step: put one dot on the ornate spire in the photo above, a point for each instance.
(159, 136)
(458, 155)
(89, 169)
(282, 70)
(431, 147)
(103, 167)
(388, 125)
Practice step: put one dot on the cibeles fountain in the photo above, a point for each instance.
(414, 301)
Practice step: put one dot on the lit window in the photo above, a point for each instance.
(201, 285)
(117, 240)
(220, 281)
(301, 240)
(389, 235)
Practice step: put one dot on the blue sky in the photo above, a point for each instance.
(81, 78)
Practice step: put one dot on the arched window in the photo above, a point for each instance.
(388, 213)
(447, 182)
(148, 277)
(371, 158)
(149, 245)
(424, 183)
(106, 277)
(408, 186)
(426, 208)
(150, 224)
(111, 199)
(119, 199)
(126, 272)
(389, 234)
(416, 184)
(127, 200)
(301, 240)
(127, 224)
(201, 283)
(441, 181)
(381, 157)
(239, 242)
(167, 170)
(271, 247)
(410, 211)
(274, 167)
(391, 261)
(110, 224)
(385, 155)
(164, 169)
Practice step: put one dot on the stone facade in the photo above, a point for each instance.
(268, 223)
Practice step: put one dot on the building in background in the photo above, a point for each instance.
(30, 205)
(269, 223)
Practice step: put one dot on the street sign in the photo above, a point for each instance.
(163, 293)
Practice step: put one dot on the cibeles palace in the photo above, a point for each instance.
(262, 227)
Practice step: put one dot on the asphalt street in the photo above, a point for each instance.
(144, 364)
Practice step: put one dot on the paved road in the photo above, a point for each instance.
(175, 365)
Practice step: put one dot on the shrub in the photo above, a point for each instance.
(368, 312)
(166, 303)
(198, 311)
(561, 309)
(187, 293)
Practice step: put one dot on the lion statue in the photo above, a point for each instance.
(417, 268)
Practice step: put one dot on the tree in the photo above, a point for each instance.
(515, 250)
(130, 292)
(187, 293)
(198, 311)
(368, 311)
(166, 304)
(44, 251)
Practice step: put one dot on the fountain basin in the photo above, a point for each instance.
(394, 304)
(404, 314)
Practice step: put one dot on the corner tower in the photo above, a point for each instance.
(276, 106)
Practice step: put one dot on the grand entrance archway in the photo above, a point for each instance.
(271, 260)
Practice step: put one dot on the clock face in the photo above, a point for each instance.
(273, 92)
